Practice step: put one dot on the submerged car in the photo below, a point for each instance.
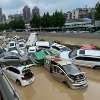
(58, 48)
(20, 74)
(66, 72)
(10, 58)
(38, 57)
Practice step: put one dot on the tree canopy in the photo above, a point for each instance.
(97, 13)
(55, 20)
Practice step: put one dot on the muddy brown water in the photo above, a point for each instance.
(45, 87)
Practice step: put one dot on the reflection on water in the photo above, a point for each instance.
(45, 87)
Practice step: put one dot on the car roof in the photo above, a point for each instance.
(9, 53)
(59, 45)
(20, 67)
(88, 52)
(58, 60)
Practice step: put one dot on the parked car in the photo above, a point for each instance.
(20, 74)
(65, 71)
(58, 48)
(10, 58)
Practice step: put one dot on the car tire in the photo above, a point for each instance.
(96, 67)
(18, 82)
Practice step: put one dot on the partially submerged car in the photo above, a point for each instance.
(10, 58)
(65, 71)
(31, 50)
(58, 48)
(20, 74)
(38, 57)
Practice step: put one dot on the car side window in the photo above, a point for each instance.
(15, 57)
(10, 69)
(16, 71)
(9, 57)
(60, 71)
(57, 49)
(82, 52)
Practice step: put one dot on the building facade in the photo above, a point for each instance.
(79, 13)
(0, 14)
(35, 10)
(3, 17)
(26, 14)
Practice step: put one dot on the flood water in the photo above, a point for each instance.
(45, 87)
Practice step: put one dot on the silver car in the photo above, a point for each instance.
(10, 58)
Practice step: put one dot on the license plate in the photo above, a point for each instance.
(81, 87)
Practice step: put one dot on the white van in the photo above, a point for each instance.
(81, 57)
(43, 44)
(87, 61)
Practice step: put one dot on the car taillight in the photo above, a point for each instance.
(23, 78)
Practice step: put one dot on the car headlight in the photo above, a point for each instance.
(72, 81)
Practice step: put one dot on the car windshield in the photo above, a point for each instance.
(70, 69)
(73, 54)
(48, 52)
(14, 48)
(21, 45)
(65, 49)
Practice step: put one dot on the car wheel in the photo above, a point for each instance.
(96, 67)
(18, 82)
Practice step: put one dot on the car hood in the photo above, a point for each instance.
(65, 55)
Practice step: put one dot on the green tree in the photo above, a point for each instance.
(17, 24)
(97, 13)
(35, 22)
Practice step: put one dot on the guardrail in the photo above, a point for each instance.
(7, 90)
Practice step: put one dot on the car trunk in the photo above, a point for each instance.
(27, 74)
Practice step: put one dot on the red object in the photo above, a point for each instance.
(23, 78)
(88, 47)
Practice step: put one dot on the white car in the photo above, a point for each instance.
(58, 48)
(32, 50)
(21, 75)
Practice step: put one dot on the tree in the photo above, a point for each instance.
(17, 24)
(35, 22)
(97, 13)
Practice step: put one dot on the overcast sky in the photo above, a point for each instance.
(16, 6)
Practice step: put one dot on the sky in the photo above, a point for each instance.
(16, 6)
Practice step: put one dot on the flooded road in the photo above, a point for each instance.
(45, 87)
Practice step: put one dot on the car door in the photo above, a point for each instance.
(16, 74)
(78, 61)
(47, 64)
(9, 72)
(58, 73)
(8, 59)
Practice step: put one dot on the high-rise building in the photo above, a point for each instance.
(26, 13)
(10, 17)
(35, 10)
(3, 17)
(79, 13)
(0, 14)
